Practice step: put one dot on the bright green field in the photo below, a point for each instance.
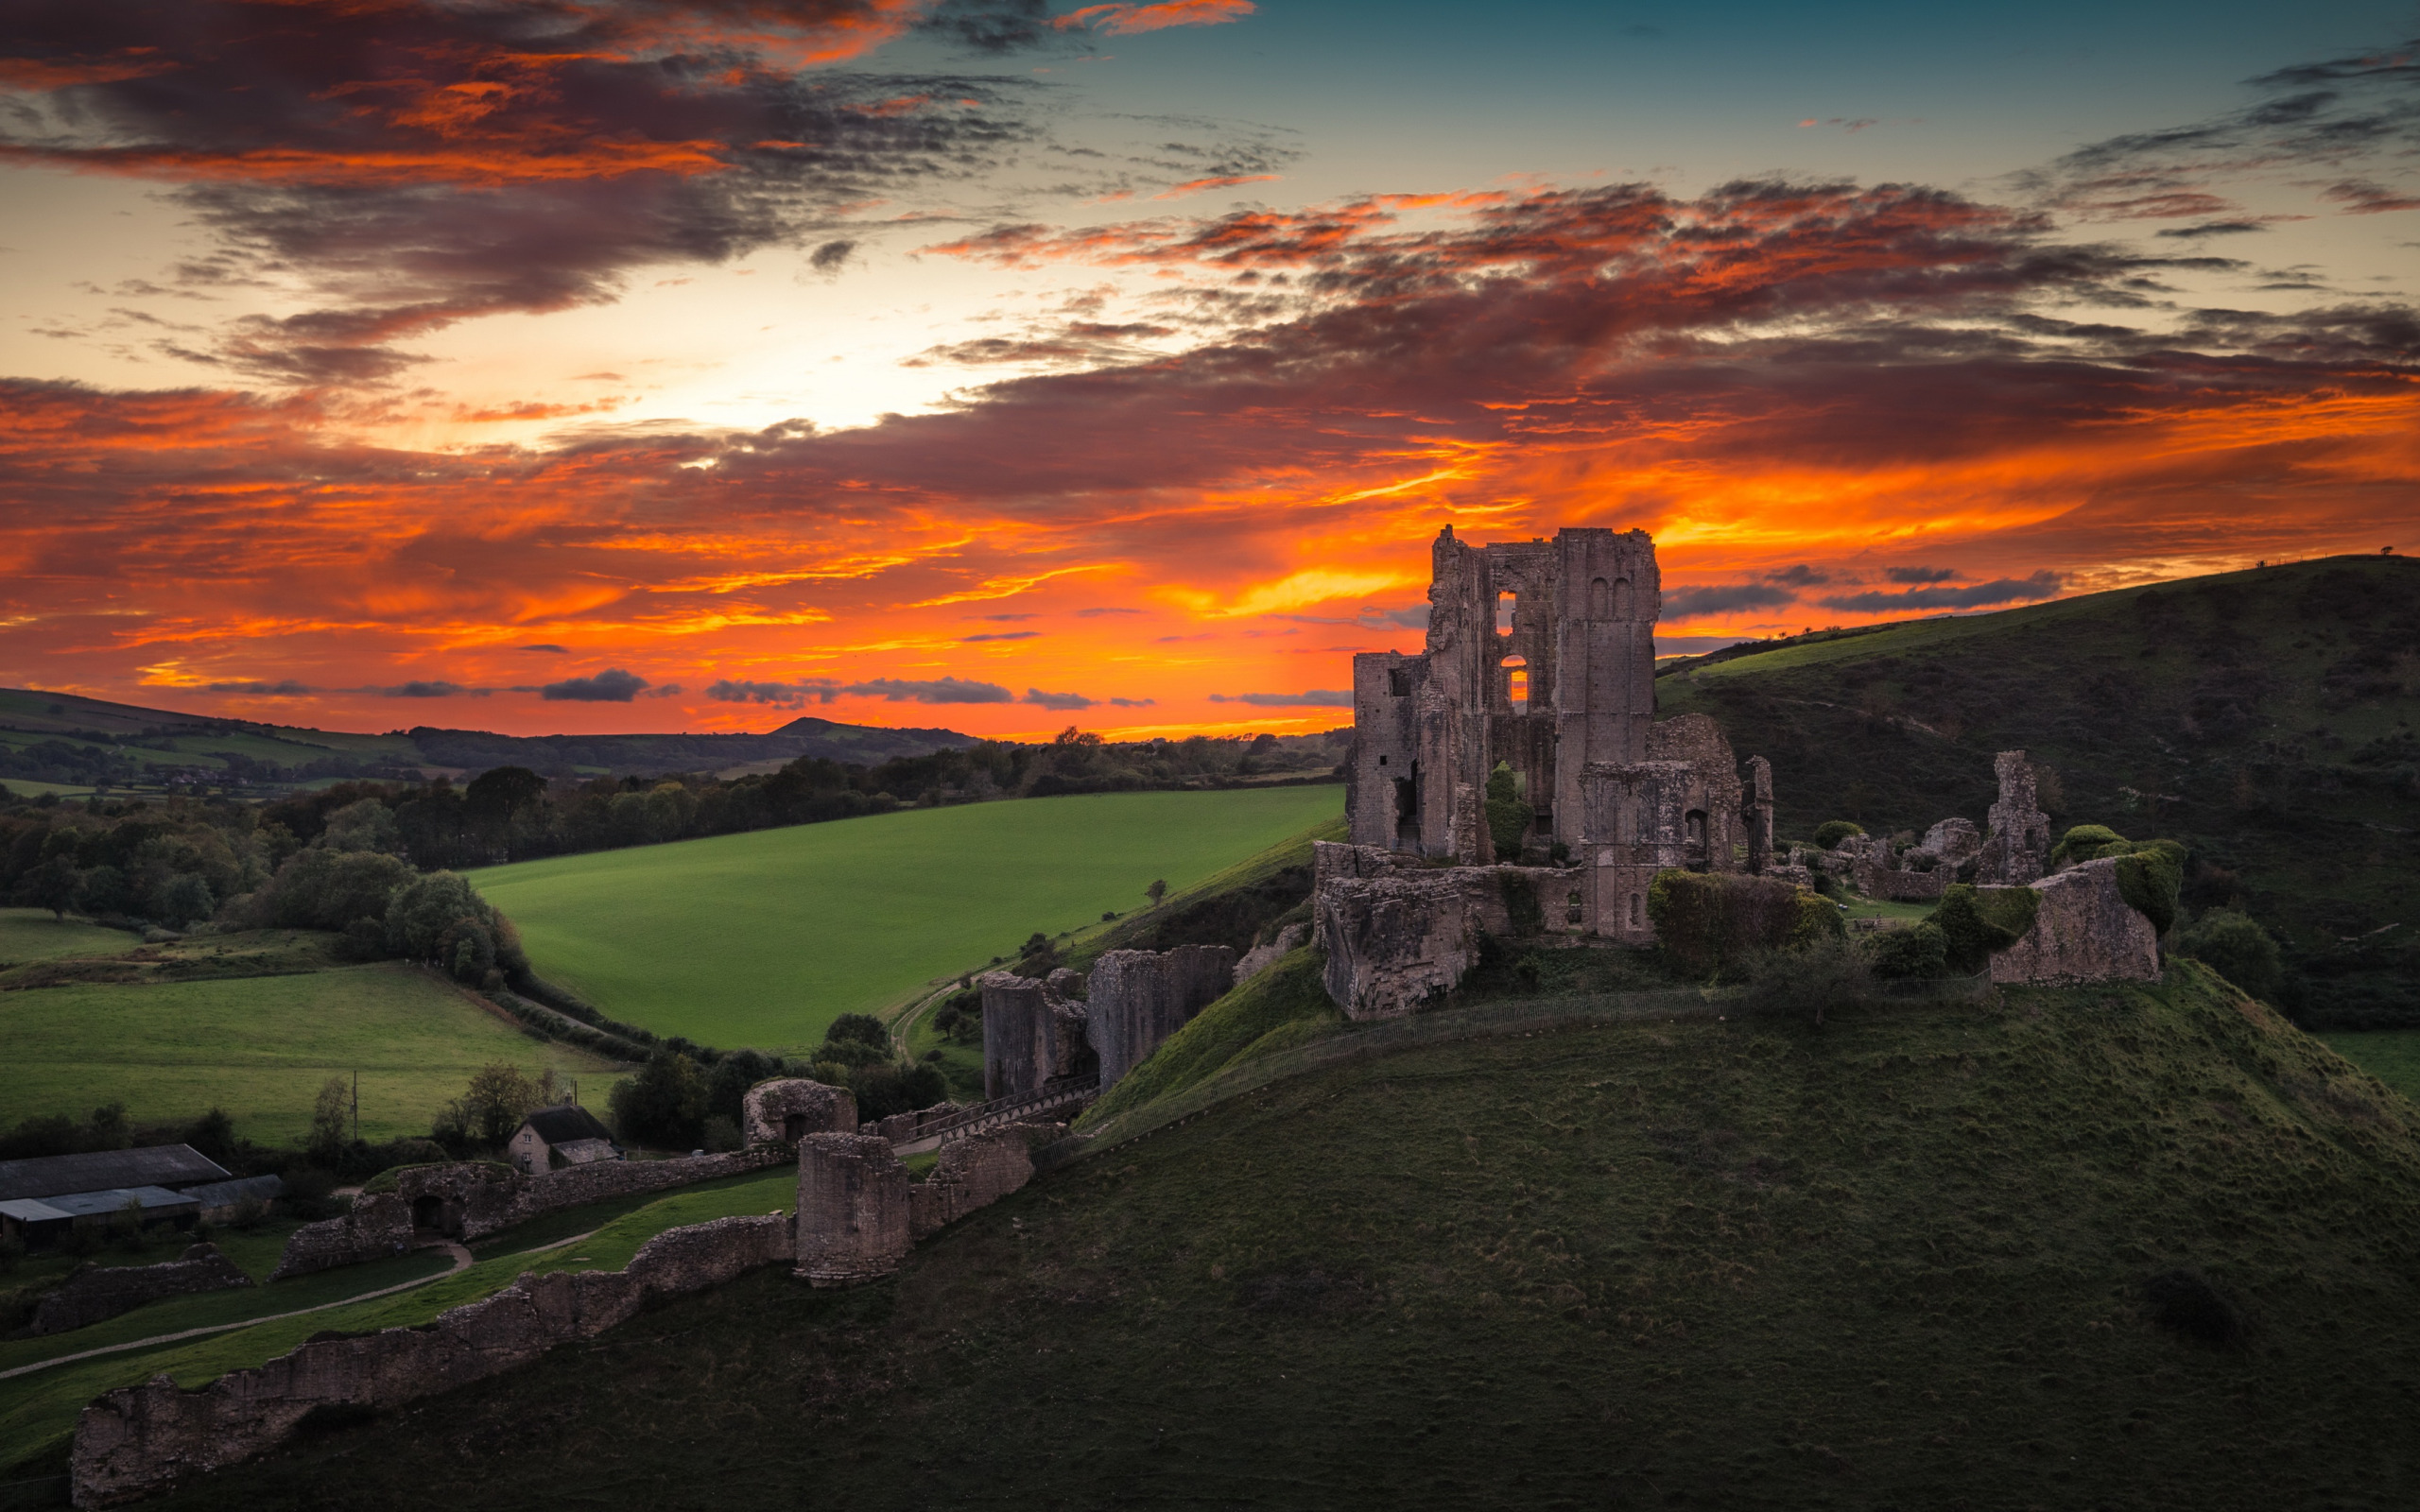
(33, 934)
(765, 938)
(260, 1047)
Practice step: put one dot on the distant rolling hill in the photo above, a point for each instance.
(2266, 718)
(70, 742)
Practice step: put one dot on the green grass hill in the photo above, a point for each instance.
(764, 939)
(2266, 718)
(2118, 1249)
(252, 1024)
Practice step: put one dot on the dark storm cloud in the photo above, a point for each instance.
(1722, 597)
(614, 685)
(1977, 596)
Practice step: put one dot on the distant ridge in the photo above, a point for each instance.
(67, 739)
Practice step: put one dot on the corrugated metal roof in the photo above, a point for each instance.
(220, 1194)
(85, 1204)
(155, 1166)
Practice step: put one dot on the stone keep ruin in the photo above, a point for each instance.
(1065, 1031)
(1541, 657)
(1541, 660)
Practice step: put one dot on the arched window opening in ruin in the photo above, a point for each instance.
(1621, 598)
(1601, 600)
(1504, 606)
(427, 1211)
(1637, 910)
(793, 1127)
(1694, 822)
(1516, 681)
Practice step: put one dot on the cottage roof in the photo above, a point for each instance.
(562, 1126)
(155, 1165)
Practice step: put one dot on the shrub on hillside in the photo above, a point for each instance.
(2234, 945)
(1507, 818)
(1825, 974)
(1901, 955)
(2149, 871)
(1970, 935)
(327, 889)
(1706, 920)
(1829, 833)
(440, 919)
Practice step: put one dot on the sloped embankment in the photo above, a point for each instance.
(1913, 1259)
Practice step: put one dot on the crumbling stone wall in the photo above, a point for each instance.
(902, 1128)
(1878, 872)
(787, 1108)
(2018, 848)
(472, 1199)
(852, 1209)
(1261, 957)
(972, 1173)
(1397, 936)
(1033, 1031)
(2083, 931)
(94, 1294)
(1139, 997)
(142, 1440)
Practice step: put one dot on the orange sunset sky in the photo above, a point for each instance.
(581, 366)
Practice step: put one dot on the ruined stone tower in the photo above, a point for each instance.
(1541, 655)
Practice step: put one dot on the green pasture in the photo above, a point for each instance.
(260, 1047)
(765, 938)
(2393, 1056)
(39, 1410)
(28, 787)
(34, 935)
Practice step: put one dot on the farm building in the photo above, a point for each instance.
(554, 1136)
(42, 1198)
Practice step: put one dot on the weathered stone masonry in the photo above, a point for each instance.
(470, 1200)
(93, 1294)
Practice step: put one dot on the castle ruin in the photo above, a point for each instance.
(1541, 659)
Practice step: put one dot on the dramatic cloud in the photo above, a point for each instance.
(939, 689)
(779, 694)
(422, 164)
(441, 689)
(1801, 576)
(612, 685)
(1058, 700)
(1315, 699)
(1977, 596)
(1723, 598)
(1132, 703)
(1122, 20)
(286, 688)
(1005, 635)
(1919, 575)
(558, 650)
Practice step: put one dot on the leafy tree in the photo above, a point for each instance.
(366, 825)
(499, 1097)
(862, 1027)
(330, 1120)
(663, 1105)
(1970, 937)
(1157, 890)
(503, 792)
(53, 884)
(1829, 833)
(212, 1134)
(440, 919)
(2235, 946)
(184, 901)
(319, 889)
(737, 1070)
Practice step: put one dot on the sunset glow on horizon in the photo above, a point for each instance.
(640, 365)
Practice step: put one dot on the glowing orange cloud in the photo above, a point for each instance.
(1122, 20)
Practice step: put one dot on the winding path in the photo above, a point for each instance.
(462, 1263)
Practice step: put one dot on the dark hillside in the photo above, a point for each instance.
(2266, 718)
(2118, 1249)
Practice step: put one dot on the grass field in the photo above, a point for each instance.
(765, 938)
(2393, 1056)
(260, 1047)
(1900, 1261)
(34, 935)
(37, 1411)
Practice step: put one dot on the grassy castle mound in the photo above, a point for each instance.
(2116, 1247)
